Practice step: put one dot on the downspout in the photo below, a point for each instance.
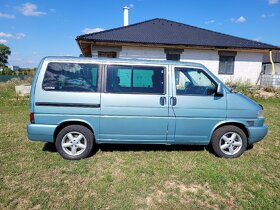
(272, 63)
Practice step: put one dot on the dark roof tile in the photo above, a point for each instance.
(166, 32)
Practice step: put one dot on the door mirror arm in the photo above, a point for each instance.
(220, 90)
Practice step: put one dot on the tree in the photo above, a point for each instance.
(4, 53)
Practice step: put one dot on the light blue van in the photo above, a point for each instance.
(79, 102)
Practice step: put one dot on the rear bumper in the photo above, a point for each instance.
(257, 133)
(40, 132)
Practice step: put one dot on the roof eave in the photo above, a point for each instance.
(117, 42)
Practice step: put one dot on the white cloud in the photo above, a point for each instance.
(209, 21)
(257, 39)
(241, 19)
(273, 1)
(92, 30)
(3, 41)
(6, 35)
(19, 35)
(131, 6)
(8, 16)
(16, 36)
(29, 9)
(267, 15)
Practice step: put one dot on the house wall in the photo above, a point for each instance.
(247, 66)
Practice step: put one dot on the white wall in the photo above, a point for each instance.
(143, 53)
(247, 66)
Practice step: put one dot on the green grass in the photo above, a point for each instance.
(134, 177)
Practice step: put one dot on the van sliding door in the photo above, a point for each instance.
(134, 104)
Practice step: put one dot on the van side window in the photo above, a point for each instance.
(193, 82)
(72, 77)
(135, 79)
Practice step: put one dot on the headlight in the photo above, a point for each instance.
(261, 114)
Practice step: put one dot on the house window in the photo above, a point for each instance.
(173, 57)
(173, 54)
(226, 62)
(107, 54)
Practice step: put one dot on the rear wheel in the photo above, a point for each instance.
(74, 142)
(229, 142)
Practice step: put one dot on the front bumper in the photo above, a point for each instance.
(257, 133)
(41, 132)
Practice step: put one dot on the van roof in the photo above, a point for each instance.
(120, 60)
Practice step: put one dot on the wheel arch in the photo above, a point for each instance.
(66, 123)
(238, 124)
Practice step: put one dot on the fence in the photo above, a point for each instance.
(270, 80)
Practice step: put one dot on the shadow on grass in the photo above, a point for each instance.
(149, 147)
(50, 147)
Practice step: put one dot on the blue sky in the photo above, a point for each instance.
(34, 29)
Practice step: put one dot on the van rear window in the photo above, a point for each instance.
(72, 77)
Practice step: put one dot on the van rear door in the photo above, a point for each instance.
(67, 91)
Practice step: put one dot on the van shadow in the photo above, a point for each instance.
(149, 147)
(50, 147)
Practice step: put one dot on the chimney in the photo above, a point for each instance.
(125, 16)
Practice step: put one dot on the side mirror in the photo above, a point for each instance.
(220, 90)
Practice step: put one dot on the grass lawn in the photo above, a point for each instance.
(33, 175)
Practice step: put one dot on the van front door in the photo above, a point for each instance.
(196, 107)
(134, 104)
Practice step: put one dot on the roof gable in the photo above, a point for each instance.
(165, 32)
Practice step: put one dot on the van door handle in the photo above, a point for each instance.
(173, 101)
(162, 100)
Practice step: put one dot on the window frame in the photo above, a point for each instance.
(229, 54)
(204, 72)
(99, 77)
(132, 66)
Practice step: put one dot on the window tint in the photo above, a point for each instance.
(135, 79)
(193, 82)
(72, 77)
(226, 65)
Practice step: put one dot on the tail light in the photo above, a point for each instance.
(32, 119)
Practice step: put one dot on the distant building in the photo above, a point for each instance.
(230, 58)
(267, 77)
(14, 68)
(267, 66)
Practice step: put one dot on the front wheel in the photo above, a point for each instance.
(74, 142)
(229, 142)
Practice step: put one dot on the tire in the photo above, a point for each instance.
(74, 142)
(229, 142)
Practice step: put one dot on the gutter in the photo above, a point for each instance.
(272, 63)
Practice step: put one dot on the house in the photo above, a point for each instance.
(14, 68)
(230, 58)
(267, 65)
(270, 76)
